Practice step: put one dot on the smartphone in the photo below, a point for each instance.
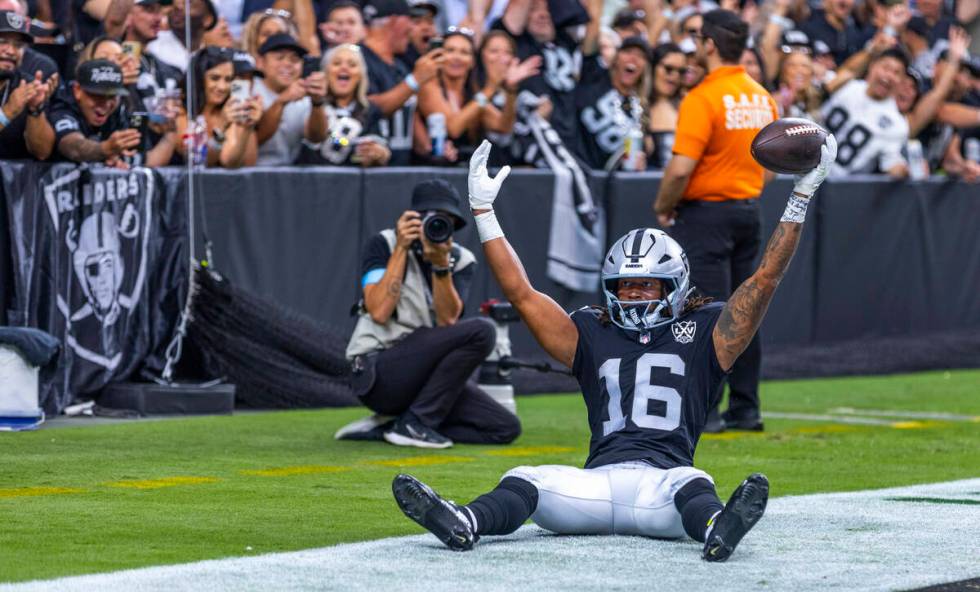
(133, 48)
(138, 120)
(241, 90)
(435, 43)
(311, 64)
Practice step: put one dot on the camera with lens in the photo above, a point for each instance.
(437, 226)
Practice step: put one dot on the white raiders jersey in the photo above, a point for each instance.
(870, 134)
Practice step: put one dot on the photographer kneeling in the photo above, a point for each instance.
(411, 355)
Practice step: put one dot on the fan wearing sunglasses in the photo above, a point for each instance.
(669, 65)
(796, 94)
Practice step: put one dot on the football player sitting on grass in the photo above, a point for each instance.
(648, 363)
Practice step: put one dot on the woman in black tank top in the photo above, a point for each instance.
(669, 64)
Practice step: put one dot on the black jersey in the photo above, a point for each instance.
(561, 61)
(647, 402)
(345, 126)
(604, 115)
(663, 148)
(66, 118)
(397, 129)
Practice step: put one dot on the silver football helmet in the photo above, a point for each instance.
(646, 253)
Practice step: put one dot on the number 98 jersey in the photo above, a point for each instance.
(647, 401)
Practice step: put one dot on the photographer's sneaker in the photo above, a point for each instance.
(408, 431)
(440, 517)
(742, 511)
(370, 428)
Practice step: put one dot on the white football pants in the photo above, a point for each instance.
(629, 498)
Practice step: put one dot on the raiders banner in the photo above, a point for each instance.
(577, 236)
(96, 264)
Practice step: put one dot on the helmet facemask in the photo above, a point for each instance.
(643, 315)
(645, 254)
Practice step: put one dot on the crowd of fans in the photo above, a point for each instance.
(399, 82)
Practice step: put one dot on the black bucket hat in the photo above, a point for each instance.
(436, 194)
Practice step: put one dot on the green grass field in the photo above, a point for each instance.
(81, 500)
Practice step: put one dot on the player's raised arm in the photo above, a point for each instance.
(743, 313)
(548, 322)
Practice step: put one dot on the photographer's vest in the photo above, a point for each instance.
(414, 308)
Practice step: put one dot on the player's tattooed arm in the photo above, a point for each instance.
(78, 148)
(743, 313)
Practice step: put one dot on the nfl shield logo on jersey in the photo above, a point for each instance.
(684, 331)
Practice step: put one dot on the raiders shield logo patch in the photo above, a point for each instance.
(105, 235)
(684, 331)
(15, 21)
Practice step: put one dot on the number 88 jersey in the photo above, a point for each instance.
(647, 401)
(870, 134)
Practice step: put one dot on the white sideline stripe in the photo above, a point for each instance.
(833, 418)
(903, 414)
(839, 541)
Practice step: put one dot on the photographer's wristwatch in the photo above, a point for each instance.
(444, 271)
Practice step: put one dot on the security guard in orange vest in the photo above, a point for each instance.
(709, 197)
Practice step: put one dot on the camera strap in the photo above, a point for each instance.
(420, 264)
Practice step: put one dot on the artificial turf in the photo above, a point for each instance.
(83, 500)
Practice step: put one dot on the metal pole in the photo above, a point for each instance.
(175, 349)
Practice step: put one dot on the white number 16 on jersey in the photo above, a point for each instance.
(643, 393)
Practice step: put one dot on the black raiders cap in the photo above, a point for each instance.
(101, 77)
(281, 41)
(11, 22)
(423, 8)
(243, 63)
(626, 17)
(796, 40)
(376, 9)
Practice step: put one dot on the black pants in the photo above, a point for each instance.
(722, 240)
(427, 374)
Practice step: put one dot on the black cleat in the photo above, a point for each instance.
(742, 511)
(748, 422)
(440, 517)
(714, 424)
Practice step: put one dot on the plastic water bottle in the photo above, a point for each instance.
(632, 148)
(972, 149)
(918, 167)
(436, 122)
(196, 141)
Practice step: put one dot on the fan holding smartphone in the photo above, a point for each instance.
(354, 134)
(293, 103)
(224, 108)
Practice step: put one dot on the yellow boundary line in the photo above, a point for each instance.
(38, 491)
(160, 483)
(420, 461)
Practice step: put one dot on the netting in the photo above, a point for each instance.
(276, 357)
